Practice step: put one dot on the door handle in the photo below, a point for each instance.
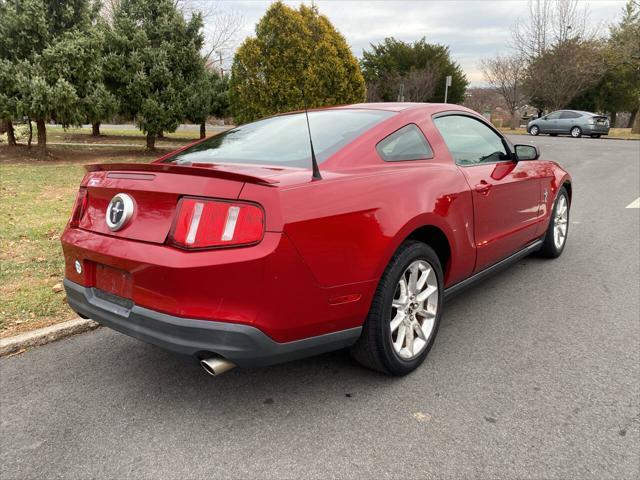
(483, 187)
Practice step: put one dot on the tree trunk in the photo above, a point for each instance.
(30, 133)
(95, 129)
(42, 135)
(203, 130)
(151, 141)
(632, 118)
(636, 124)
(11, 134)
(515, 120)
(161, 134)
(614, 117)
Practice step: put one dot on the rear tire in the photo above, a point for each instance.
(576, 132)
(556, 237)
(392, 314)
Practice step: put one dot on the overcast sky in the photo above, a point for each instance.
(472, 28)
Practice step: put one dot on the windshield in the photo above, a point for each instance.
(284, 140)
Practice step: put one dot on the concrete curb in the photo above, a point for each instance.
(45, 335)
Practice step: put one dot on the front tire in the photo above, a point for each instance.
(534, 130)
(405, 312)
(556, 237)
(576, 132)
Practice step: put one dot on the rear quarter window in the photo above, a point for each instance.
(407, 143)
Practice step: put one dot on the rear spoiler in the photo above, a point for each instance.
(202, 170)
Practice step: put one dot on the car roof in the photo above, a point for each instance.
(400, 106)
(582, 112)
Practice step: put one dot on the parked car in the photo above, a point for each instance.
(570, 122)
(231, 251)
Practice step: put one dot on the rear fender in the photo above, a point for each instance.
(462, 258)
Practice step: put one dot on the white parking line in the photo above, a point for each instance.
(635, 203)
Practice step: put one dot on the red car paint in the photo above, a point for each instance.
(325, 244)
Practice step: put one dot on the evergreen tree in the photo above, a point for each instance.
(50, 50)
(293, 50)
(151, 58)
(207, 96)
(393, 62)
(619, 88)
(23, 33)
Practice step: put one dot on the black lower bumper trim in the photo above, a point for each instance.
(243, 345)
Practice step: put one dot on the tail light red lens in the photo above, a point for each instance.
(204, 223)
(79, 208)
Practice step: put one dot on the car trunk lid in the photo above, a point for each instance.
(155, 190)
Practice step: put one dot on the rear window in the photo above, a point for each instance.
(284, 140)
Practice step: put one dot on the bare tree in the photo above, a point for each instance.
(222, 24)
(549, 23)
(570, 21)
(531, 37)
(419, 84)
(483, 99)
(564, 72)
(506, 75)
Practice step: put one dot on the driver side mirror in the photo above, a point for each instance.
(527, 152)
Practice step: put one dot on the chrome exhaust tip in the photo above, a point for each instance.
(216, 365)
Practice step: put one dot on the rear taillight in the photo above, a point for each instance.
(79, 208)
(204, 223)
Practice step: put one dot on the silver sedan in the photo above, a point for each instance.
(570, 122)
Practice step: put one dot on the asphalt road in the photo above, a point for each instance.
(535, 374)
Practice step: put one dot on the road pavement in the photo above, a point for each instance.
(535, 374)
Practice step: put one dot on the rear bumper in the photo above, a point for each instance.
(594, 129)
(244, 345)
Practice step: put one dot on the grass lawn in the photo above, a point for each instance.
(118, 136)
(36, 198)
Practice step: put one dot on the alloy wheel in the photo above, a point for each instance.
(534, 130)
(414, 309)
(576, 132)
(560, 222)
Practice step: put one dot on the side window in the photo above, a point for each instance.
(408, 143)
(554, 115)
(470, 141)
(567, 115)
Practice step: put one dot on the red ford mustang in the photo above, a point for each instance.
(231, 251)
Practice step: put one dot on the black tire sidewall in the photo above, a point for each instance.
(415, 251)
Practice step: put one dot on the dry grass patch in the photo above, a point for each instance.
(36, 198)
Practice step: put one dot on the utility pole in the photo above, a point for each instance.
(447, 84)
